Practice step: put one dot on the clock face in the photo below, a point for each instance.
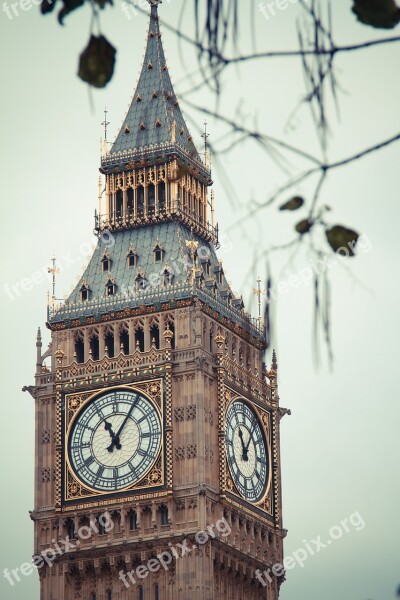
(247, 451)
(115, 440)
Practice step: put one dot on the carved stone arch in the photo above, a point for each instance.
(79, 346)
(138, 324)
(123, 326)
(47, 353)
(169, 318)
(108, 329)
(154, 320)
(79, 334)
(93, 332)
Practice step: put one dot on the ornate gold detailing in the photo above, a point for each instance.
(266, 417)
(73, 403)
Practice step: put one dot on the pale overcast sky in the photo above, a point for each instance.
(340, 446)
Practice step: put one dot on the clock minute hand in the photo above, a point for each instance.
(250, 436)
(126, 418)
(244, 451)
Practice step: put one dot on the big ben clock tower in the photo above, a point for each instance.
(157, 471)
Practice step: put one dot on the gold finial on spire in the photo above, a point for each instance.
(259, 292)
(53, 270)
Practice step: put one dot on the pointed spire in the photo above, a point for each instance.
(154, 117)
(38, 351)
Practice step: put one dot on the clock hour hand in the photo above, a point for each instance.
(114, 438)
(244, 449)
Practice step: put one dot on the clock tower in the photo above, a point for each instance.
(157, 472)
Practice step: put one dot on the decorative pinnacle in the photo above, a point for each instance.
(168, 335)
(274, 364)
(205, 135)
(105, 123)
(154, 3)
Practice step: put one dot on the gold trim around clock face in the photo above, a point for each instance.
(264, 421)
(75, 488)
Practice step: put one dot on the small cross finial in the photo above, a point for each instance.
(53, 270)
(105, 123)
(259, 292)
(205, 135)
(154, 2)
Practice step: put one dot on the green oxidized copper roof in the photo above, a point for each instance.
(154, 107)
(172, 238)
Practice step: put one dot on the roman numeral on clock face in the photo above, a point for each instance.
(246, 450)
(115, 440)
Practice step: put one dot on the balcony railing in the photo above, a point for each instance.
(116, 158)
(129, 218)
(149, 296)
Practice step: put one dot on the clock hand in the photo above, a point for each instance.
(108, 427)
(250, 436)
(114, 438)
(126, 418)
(244, 450)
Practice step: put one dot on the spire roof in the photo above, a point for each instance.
(154, 116)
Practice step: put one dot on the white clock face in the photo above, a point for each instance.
(115, 440)
(246, 451)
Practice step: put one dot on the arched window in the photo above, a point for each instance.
(140, 201)
(79, 348)
(100, 525)
(94, 346)
(207, 268)
(164, 514)
(85, 292)
(167, 277)
(132, 257)
(106, 262)
(111, 288)
(124, 339)
(129, 202)
(141, 283)
(109, 343)
(156, 596)
(70, 525)
(139, 339)
(155, 335)
(161, 196)
(118, 203)
(151, 199)
(158, 252)
(132, 520)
